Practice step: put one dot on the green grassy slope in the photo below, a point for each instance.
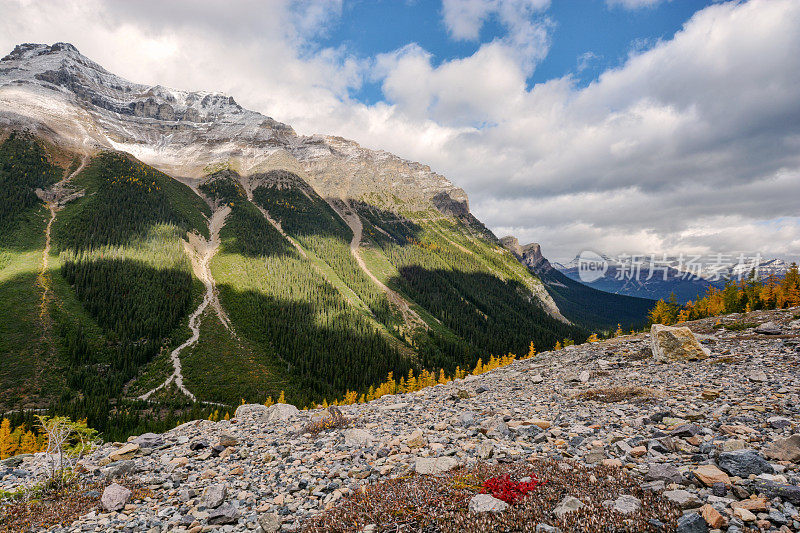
(280, 303)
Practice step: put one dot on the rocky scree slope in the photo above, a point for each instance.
(716, 438)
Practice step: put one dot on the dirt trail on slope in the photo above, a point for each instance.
(352, 219)
(200, 252)
(54, 198)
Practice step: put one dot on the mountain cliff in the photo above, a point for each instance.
(171, 248)
(578, 302)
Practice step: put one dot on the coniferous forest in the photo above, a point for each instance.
(306, 321)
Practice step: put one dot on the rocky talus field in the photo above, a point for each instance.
(621, 435)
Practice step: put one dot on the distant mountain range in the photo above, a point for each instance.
(603, 310)
(659, 277)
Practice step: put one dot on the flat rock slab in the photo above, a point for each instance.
(671, 344)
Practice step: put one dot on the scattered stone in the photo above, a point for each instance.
(269, 522)
(125, 452)
(214, 495)
(692, 523)
(438, 465)
(567, 505)
(115, 497)
(710, 474)
(713, 518)
(787, 449)
(684, 498)
(486, 503)
(627, 504)
(354, 437)
(228, 440)
(149, 440)
(224, 514)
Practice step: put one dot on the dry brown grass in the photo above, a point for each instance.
(432, 504)
(40, 511)
(334, 419)
(622, 393)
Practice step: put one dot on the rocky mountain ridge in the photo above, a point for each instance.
(57, 91)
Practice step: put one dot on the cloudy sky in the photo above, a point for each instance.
(617, 125)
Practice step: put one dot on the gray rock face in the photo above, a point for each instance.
(486, 503)
(742, 463)
(214, 495)
(115, 497)
(675, 344)
(567, 505)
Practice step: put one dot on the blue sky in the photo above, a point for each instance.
(587, 36)
(623, 126)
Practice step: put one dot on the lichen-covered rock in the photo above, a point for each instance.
(670, 343)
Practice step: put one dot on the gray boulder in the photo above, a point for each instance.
(224, 514)
(742, 463)
(627, 504)
(214, 495)
(692, 523)
(768, 328)
(149, 440)
(675, 344)
(667, 473)
(281, 412)
(250, 410)
(115, 497)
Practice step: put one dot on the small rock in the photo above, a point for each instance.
(269, 522)
(742, 463)
(684, 498)
(149, 440)
(486, 503)
(214, 495)
(710, 474)
(438, 465)
(355, 437)
(713, 518)
(692, 523)
(228, 440)
(627, 504)
(567, 505)
(224, 514)
(125, 452)
(115, 497)
(787, 449)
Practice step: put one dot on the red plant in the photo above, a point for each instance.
(508, 490)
